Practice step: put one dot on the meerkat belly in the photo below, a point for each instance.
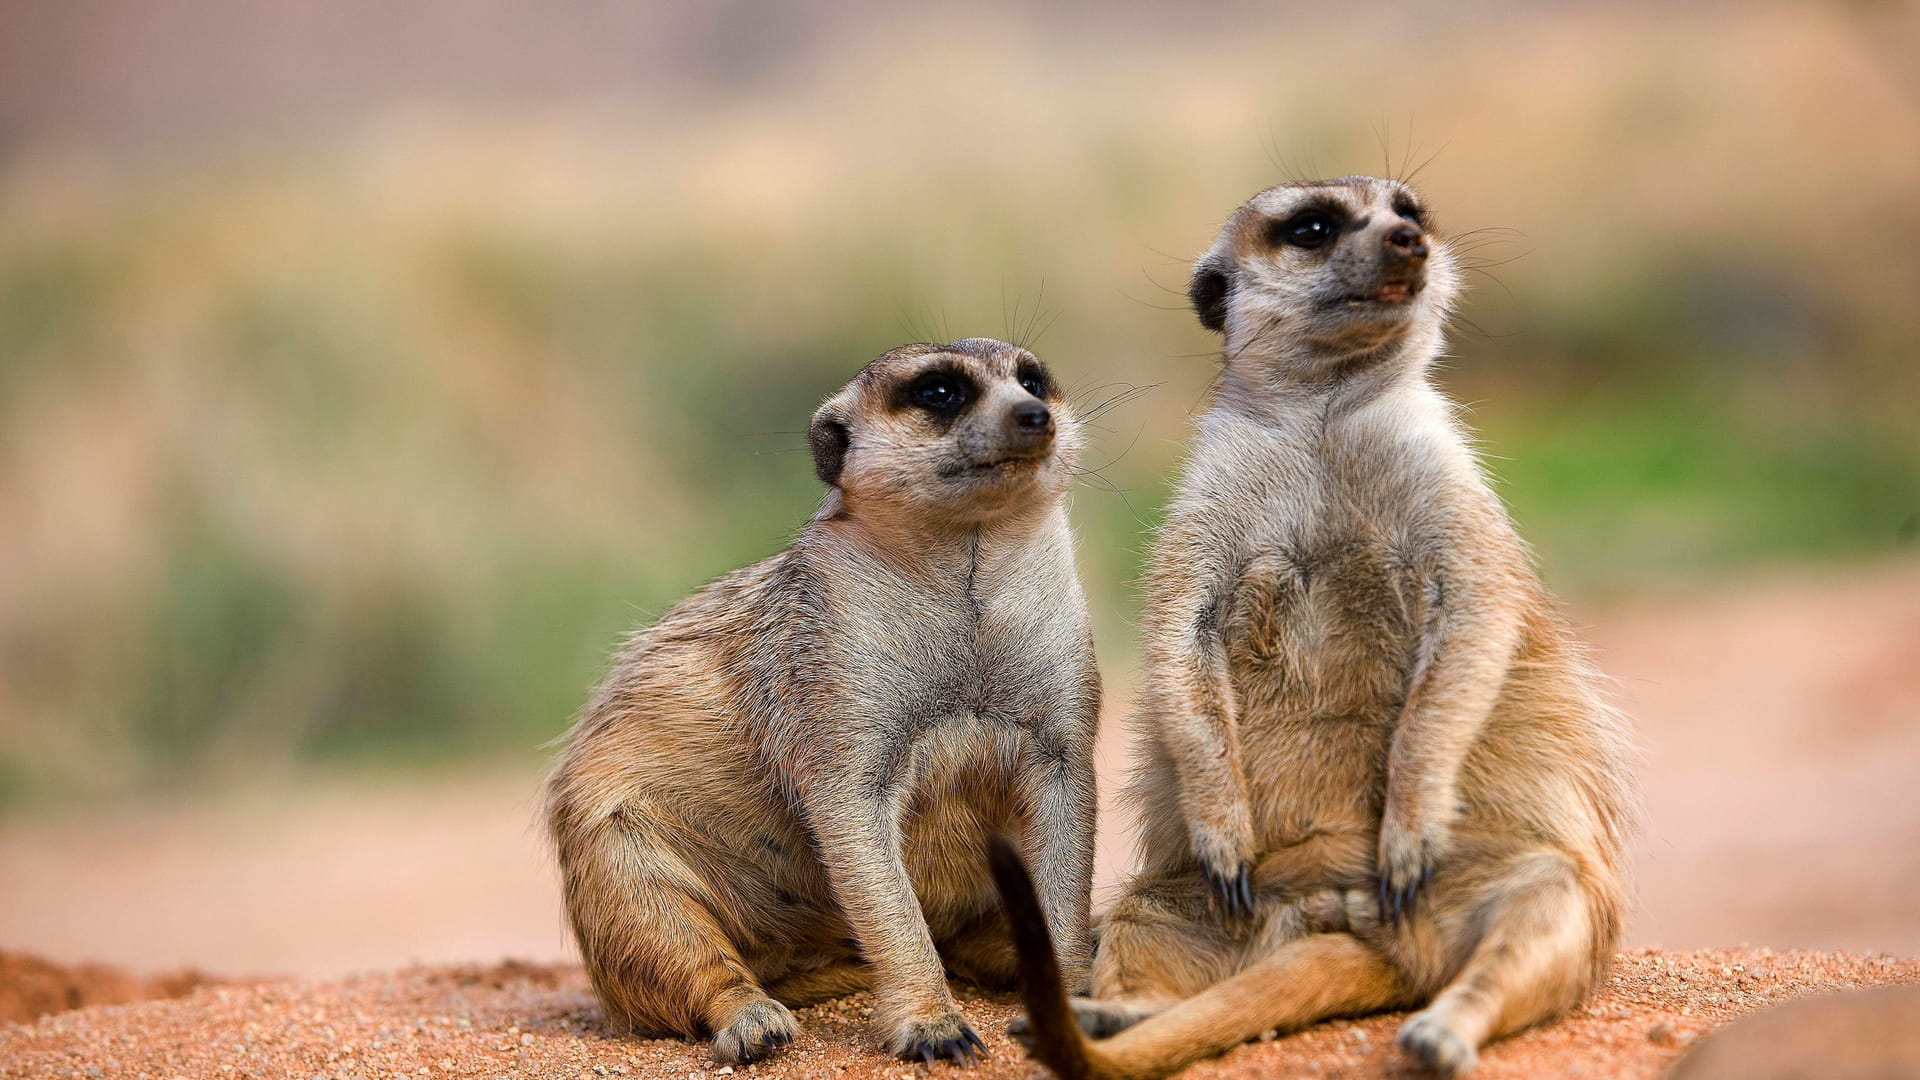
(963, 792)
(1319, 645)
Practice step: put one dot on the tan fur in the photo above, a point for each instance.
(1354, 682)
(782, 790)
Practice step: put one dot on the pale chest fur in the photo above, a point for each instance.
(963, 662)
(1333, 556)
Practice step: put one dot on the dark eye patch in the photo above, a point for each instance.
(1312, 226)
(940, 392)
(1410, 210)
(1035, 379)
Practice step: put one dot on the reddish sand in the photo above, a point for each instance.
(532, 1020)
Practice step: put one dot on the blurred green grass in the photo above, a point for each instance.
(369, 452)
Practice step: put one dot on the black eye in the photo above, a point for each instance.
(939, 392)
(1412, 213)
(1307, 229)
(1035, 381)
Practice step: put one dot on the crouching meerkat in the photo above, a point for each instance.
(1376, 770)
(782, 791)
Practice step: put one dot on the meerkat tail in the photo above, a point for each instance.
(1057, 1040)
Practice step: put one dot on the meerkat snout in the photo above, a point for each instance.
(1030, 424)
(1406, 244)
(1403, 264)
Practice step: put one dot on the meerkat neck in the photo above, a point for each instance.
(1279, 379)
(920, 547)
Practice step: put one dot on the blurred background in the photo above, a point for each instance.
(367, 369)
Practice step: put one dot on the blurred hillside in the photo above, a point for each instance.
(363, 377)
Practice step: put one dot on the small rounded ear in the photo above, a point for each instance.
(827, 437)
(1208, 291)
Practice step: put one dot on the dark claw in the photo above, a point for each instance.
(965, 1047)
(1235, 894)
(1402, 902)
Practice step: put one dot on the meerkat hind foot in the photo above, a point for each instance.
(1099, 1019)
(1439, 1047)
(759, 1028)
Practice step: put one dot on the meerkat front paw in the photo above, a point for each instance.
(756, 1030)
(1232, 889)
(1226, 860)
(1407, 858)
(926, 1039)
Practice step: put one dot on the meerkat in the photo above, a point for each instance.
(781, 792)
(1376, 771)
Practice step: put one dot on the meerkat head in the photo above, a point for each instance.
(1320, 273)
(954, 434)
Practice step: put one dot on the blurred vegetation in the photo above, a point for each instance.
(368, 448)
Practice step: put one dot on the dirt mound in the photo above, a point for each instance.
(1862, 1035)
(541, 1020)
(30, 986)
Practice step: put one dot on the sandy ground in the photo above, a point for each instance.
(530, 1020)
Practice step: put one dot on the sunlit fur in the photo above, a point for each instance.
(781, 792)
(1356, 691)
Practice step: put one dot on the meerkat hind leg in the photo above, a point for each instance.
(1313, 978)
(1532, 963)
(799, 989)
(657, 955)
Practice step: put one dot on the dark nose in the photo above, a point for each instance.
(1406, 242)
(1031, 418)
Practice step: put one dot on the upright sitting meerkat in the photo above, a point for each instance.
(782, 791)
(1377, 771)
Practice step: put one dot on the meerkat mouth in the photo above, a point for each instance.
(1012, 463)
(1392, 292)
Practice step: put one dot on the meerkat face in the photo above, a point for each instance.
(1345, 266)
(956, 434)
